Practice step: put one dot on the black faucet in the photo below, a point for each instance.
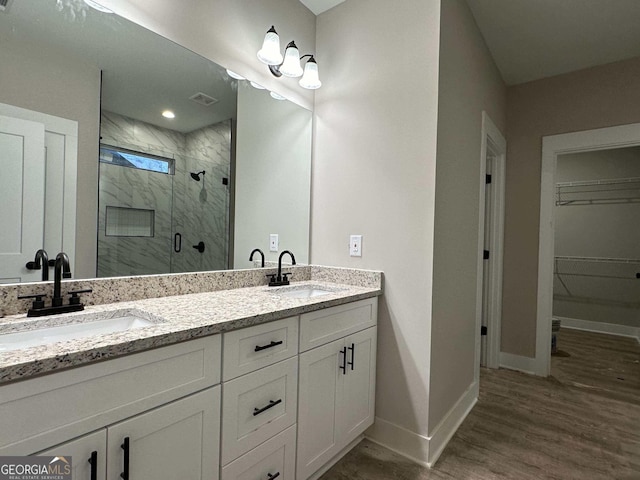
(261, 254)
(41, 261)
(62, 270)
(281, 278)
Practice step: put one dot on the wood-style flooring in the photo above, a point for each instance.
(581, 423)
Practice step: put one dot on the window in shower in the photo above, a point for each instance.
(141, 161)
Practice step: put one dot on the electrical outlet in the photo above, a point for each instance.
(273, 242)
(355, 246)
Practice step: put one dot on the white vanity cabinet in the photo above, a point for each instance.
(260, 401)
(336, 383)
(164, 400)
(178, 440)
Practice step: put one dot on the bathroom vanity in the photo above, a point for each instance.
(254, 382)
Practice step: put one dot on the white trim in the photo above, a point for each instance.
(419, 449)
(600, 327)
(552, 146)
(494, 140)
(451, 422)
(410, 445)
(518, 362)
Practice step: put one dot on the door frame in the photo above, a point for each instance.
(552, 146)
(491, 138)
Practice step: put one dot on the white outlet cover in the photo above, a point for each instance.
(355, 245)
(273, 242)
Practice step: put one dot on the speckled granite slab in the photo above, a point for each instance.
(178, 317)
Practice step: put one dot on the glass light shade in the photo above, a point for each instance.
(276, 96)
(256, 85)
(270, 51)
(310, 79)
(291, 65)
(233, 74)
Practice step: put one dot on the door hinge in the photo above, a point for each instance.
(483, 330)
(487, 178)
(485, 254)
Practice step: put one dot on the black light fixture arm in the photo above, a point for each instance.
(275, 69)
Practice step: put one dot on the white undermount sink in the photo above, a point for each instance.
(58, 333)
(309, 291)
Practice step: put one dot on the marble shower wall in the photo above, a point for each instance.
(199, 211)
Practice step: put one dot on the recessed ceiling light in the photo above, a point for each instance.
(97, 6)
(233, 74)
(168, 114)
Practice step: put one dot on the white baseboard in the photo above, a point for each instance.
(600, 327)
(518, 362)
(419, 448)
(450, 423)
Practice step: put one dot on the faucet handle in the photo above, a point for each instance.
(284, 277)
(38, 302)
(74, 299)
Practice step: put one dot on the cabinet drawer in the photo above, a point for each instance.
(324, 326)
(249, 349)
(44, 411)
(275, 458)
(257, 406)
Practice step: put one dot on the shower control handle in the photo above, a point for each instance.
(177, 243)
(199, 247)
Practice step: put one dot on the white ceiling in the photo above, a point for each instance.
(319, 6)
(533, 39)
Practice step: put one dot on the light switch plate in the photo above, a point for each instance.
(273, 242)
(355, 246)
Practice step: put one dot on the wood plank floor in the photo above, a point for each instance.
(582, 423)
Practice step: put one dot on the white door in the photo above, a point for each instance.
(180, 440)
(22, 173)
(88, 455)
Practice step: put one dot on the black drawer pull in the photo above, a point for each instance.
(271, 477)
(353, 354)
(343, 367)
(125, 446)
(264, 347)
(93, 461)
(258, 411)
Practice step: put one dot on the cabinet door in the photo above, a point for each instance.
(179, 440)
(357, 405)
(319, 382)
(88, 455)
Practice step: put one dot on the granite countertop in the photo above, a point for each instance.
(176, 318)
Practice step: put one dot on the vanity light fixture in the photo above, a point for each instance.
(289, 65)
(235, 75)
(168, 114)
(277, 96)
(256, 85)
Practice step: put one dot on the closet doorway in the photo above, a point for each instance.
(589, 248)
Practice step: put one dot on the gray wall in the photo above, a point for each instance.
(469, 83)
(273, 176)
(593, 98)
(600, 292)
(72, 92)
(374, 174)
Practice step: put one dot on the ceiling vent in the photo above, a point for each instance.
(201, 98)
(4, 5)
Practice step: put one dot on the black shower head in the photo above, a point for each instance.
(196, 176)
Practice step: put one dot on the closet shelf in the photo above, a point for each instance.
(613, 190)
